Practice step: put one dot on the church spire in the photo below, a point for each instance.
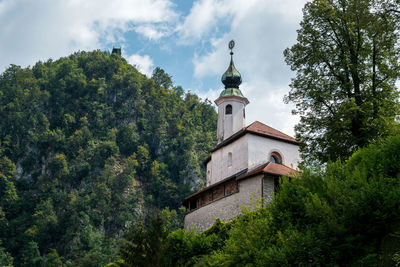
(231, 78)
(231, 102)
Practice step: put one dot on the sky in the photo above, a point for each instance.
(188, 39)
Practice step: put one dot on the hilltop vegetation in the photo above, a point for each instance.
(87, 146)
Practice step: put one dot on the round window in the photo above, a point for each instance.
(275, 158)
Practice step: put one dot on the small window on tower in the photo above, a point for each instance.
(244, 114)
(228, 109)
(229, 159)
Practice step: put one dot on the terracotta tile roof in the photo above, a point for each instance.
(257, 128)
(272, 168)
(267, 168)
(232, 177)
(261, 128)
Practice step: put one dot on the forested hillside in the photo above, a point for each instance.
(88, 146)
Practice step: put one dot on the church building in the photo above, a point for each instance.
(246, 163)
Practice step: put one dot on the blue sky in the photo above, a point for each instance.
(188, 39)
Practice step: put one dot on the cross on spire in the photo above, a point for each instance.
(231, 46)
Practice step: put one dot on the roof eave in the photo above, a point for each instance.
(244, 131)
(221, 98)
(274, 137)
(244, 174)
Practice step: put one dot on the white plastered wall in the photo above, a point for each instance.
(260, 149)
(229, 124)
(218, 168)
(249, 151)
(208, 174)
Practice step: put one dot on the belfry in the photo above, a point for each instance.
(246, 163)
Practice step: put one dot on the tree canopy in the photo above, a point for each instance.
(347, 62)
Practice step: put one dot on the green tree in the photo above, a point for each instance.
(347, 62)
(162, 78)
(30, 255)
(54, 260)
(5, 258)
(143, 246)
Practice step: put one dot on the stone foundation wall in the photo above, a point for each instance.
(226, 208)
(268, 189)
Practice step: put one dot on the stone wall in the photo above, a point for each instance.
(268, 185)
(225, 208)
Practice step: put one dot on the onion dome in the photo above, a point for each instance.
(231, 78)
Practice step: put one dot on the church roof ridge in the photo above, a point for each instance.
(262, 128)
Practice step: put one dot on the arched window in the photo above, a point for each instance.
(228, 109)
(275, 158)
(229, 159)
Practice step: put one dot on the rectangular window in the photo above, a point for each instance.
(230, 188)
(218, 192)
(207, 198)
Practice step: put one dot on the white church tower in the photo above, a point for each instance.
(231, 103)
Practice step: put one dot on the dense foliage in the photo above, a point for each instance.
(88, 145)
(346, 215)
(347, 62)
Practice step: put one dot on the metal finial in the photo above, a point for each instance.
(231, 45)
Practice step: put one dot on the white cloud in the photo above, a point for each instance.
(37, 30)
(211, 94)
(206, 15)
(262, 30)
(203, 16)
(267, 106)
(144, 64)
(153, 32)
